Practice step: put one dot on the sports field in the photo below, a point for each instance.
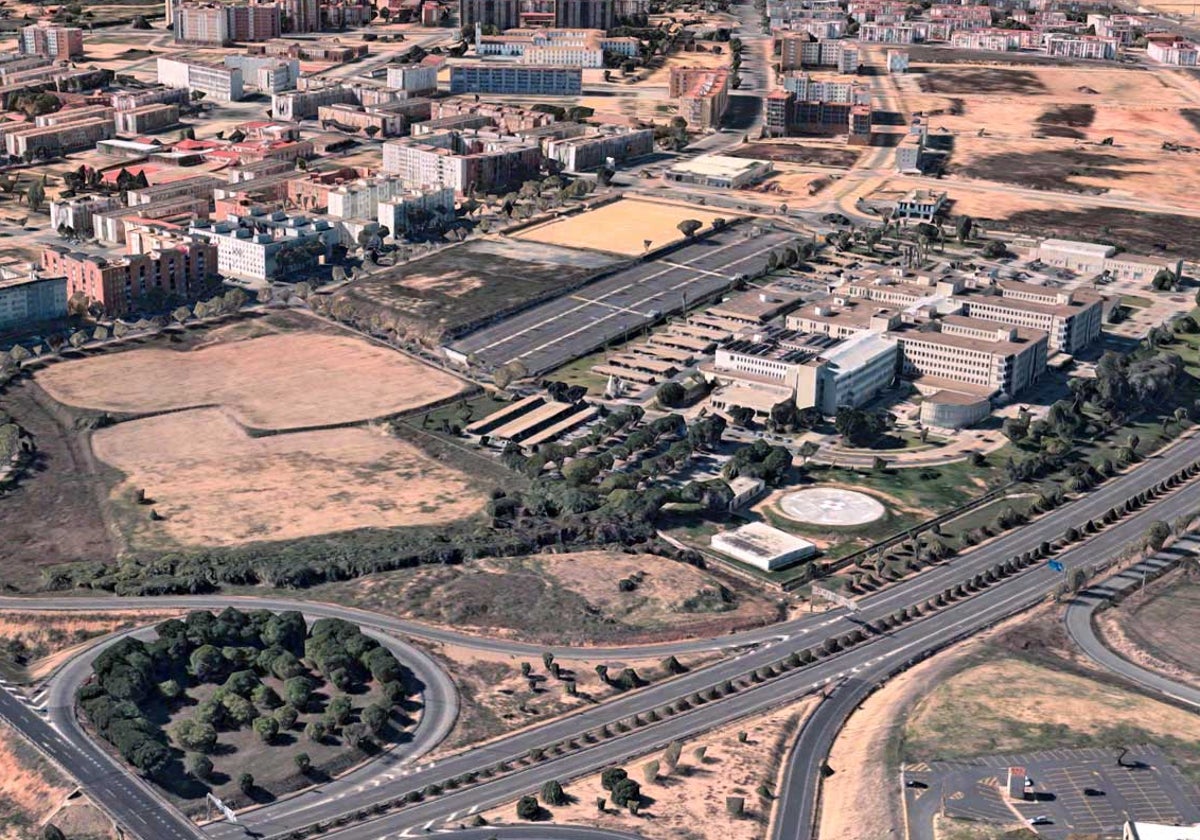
(213, 484)
(288, 381)
(621, 227)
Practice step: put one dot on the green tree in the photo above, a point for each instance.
(303, 763)
(35, 196)
(528, 808)
(195, 736)
(375, 718)
(1156, 535)
(266, 728)
(670, 395)
(52, 832)
(689, 227)
(553, 793)
(199, 766)
(245, 783)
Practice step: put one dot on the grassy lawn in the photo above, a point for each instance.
(926, 489)
(579, 372)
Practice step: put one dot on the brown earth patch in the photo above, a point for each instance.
(212, 484)
(565, 598)
(284, 381)
(689, 804)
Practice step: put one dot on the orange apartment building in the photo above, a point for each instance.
(703, 95)
(118, 283)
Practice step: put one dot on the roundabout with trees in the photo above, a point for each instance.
(248, 705)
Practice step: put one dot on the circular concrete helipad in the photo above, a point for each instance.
(831, 506)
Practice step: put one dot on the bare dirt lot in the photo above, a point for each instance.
(839, 157)
(287, 381)
(36, 641)
(689, 803)
(212, 484)
(982, 80)
(1066, 170)
(455, 288)
(564, 598)
(53, 514)
(1140, 233)
(497, 699)
(621, 227)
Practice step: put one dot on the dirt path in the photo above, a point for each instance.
(54, 514)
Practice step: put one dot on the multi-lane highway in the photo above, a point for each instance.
(859, 666)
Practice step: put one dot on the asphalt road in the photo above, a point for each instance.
(558, 331)
(869, 663)
(1081, 627)
(131, 801)
(800, 800)
(871, 660)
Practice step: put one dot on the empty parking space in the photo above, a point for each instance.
(553, 333)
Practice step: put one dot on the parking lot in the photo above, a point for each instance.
(1074, 792)
(555, 332)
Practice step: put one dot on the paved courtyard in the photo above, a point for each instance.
(1078, 792)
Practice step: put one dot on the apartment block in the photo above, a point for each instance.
(128, 100)
(299, 105)
(520, 80)
(584, 14)
(360, 199)
(119, 283)
(250, 248)
(402, 210)
(196, 186)
(109, 225)
(77, 213)
(265, 74)
(147, 119)
(310, 50)
(417, 79)
(991, 40)
(808, 106)
(502, 14)
(1174, 51)
(221, 83)
(1091, 47)
(75, 115)
(702, 94)
(58, 42)
(300, 15)
(27, 299)
(798, 50)
(462, 163)
(594, 150)
(893, 33)
(219, 24)
(58, 139)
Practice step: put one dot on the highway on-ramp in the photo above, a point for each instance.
(1081, 612)
(873, 660)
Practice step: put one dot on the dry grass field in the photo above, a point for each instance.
(496, 700)
(620, 227)
(41, 639)
(1147, 630)
(690, 803)
(212, 484)
(564, 598)
(1040, 708)
(286, 381)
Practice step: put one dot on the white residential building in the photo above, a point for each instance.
(250, 248)
(77, 213)
(1178, 52)
(266, 74)
(399, 212)
(223, 84)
